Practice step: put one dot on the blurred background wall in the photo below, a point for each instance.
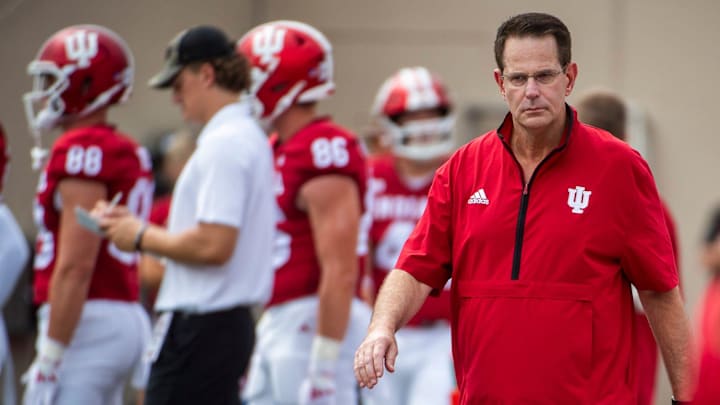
(660, 54)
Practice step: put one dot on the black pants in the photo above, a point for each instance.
(202, 359)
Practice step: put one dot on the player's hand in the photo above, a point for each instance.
(41, 382)
(377, 352)
(42, 377)
(318, 389)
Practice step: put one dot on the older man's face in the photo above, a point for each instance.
(533, 82)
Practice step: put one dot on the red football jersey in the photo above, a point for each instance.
(160, 210)
(104, 155)
(4, 159)
(396, 208)
(321, 148)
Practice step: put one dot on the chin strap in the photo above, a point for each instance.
(38, 154)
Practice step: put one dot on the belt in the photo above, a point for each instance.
(189, 314)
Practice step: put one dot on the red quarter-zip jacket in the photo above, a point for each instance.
(542, 308)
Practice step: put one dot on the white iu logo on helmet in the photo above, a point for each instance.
(419, 85)
(578, 199)
(267, 43)
(81, 46)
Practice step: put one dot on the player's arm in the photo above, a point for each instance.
(400, 297)
(77, 252)
(333, 206)
(671, 328)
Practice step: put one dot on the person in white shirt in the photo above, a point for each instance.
(220, 230)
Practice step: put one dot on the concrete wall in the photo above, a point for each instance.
(660, 54)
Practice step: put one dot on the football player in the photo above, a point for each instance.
(304, 352)
(91, 328)
(414, 109)
(14, 253)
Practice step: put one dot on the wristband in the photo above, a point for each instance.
(50, 354)
(137, 242)
(676, 402)
(324, 349)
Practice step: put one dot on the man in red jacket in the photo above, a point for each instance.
(542, 225)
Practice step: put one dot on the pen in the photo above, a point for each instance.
(115, 200)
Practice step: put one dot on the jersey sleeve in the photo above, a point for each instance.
(160, 210)
(648, 259)
(427, 254)
(333, 153)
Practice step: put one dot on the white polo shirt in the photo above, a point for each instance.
(228, 181)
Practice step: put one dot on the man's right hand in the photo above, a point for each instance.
(377, 352)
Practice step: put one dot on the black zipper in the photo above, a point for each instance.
(519, 232)
(525, 199)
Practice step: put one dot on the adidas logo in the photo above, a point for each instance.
(479, 197)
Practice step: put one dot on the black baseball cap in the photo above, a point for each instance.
(195, 44)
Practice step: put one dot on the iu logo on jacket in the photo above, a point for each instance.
(578, 199)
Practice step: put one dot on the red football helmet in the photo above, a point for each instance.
(291, 63)
(78, 70)
(411, 90)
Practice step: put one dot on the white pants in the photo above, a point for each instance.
(105, 352)
(7, 396)
(281, 357)
(14, 253)
(424, 367)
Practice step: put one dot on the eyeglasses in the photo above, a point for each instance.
(541, 77)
